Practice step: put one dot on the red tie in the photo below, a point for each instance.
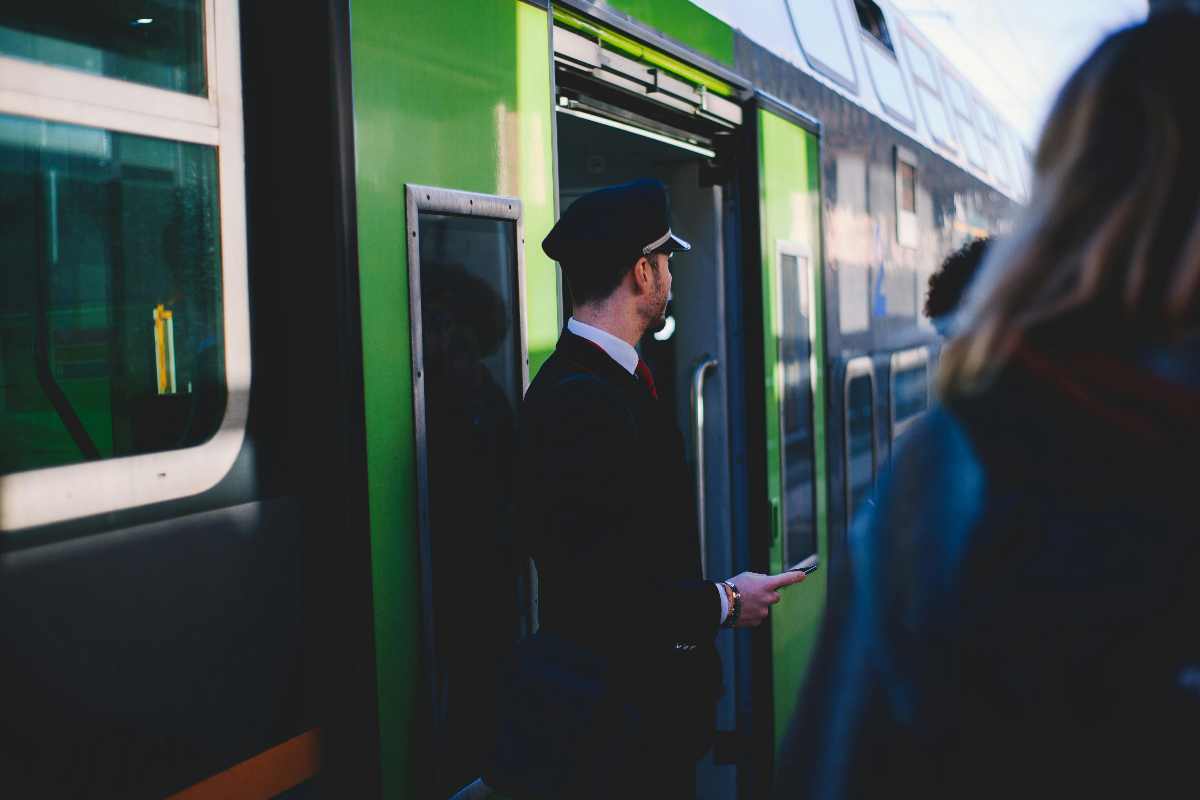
(643, 372)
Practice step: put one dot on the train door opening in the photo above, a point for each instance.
(688, 355)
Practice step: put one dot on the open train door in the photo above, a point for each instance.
(793, 484)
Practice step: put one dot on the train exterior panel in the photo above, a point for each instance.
(453, 95)
(253, 497)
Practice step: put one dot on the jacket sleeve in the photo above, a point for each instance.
(590, 490)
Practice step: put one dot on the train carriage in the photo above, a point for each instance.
(273, 288)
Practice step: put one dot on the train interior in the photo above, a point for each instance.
(594, 152)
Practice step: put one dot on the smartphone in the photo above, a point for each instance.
(807, 566)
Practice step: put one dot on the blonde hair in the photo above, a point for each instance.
(1110, 243)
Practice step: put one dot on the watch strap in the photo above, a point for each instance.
(735, 604)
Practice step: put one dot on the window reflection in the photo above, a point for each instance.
(796, 427)
(473, 381)
(154, 42)
(111, 335)
(911, 387)
(860, 440)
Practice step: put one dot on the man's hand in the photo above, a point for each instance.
(759, 593)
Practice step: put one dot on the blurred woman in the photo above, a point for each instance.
(1026, 611)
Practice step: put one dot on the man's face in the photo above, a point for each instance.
(661, 293)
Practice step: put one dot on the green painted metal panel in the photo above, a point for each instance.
(612, 40)
(789, 187)
(455, 95)
(684, 22)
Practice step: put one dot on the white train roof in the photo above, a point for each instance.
(890, 70)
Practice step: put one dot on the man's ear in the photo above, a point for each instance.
(643, 275)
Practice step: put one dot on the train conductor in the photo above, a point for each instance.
(605, 499)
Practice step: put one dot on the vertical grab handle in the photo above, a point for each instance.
(703, 365)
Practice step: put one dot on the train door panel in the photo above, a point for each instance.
(794, 367)
(458, 96)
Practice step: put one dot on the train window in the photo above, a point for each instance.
(998, 160)
(818, 28)
(910, 388)
(111, 313)
(861, 449)
(158, 44)
(871, 19)
(891, 87)
(928, 94)
(794, 322)
(469, 373)
(1019, 163)
(124, 315)
(962, 116)
(907, 225)
(907, 197)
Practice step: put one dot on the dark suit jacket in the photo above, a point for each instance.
(605, 507)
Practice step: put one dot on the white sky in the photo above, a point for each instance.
(1019, 52)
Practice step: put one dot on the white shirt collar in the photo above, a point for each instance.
(618, 350)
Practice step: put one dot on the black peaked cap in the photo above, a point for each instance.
(619, 222)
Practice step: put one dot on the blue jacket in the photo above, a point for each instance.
(1025, 613)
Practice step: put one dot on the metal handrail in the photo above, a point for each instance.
(703, 365)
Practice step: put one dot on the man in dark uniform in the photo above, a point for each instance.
(604, 499)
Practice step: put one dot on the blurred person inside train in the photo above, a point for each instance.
(1026, 593)
(948, 285)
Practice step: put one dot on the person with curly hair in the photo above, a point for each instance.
(950, 282)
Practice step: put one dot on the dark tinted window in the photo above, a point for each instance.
(111, 321)
(871, 20)
(472, 360)
(911, 387)
(860, 440)
(155, 42)
(796, 424)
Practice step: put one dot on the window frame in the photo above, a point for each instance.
(963, 116)
(48, 93)
(900, 361)
(908, 225)
(1020, 164)
(862, 366)
(847, 82)
(867, 41)
(803, 253)
(886, 42)
(452, 202)
(989, 126)
(62, 94)
(910, 41)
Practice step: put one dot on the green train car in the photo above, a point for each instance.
(271, 290)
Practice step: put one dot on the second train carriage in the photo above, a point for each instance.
(386, 286)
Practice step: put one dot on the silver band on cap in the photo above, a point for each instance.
(659, 242)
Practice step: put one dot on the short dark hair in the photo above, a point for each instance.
(947, 285)
(592, 280)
